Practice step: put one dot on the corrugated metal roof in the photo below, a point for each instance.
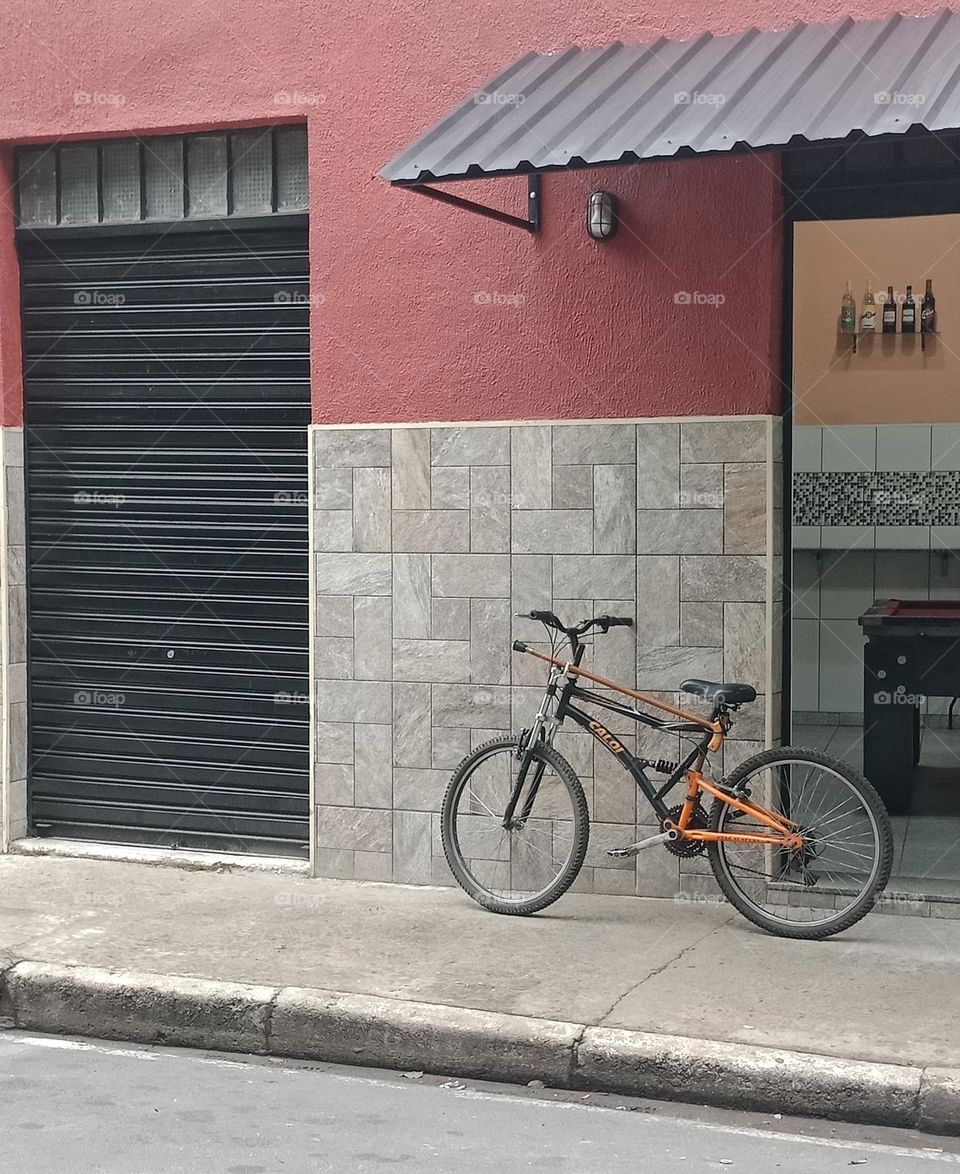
(624, 103)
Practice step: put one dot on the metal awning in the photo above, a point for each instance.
(623, 103)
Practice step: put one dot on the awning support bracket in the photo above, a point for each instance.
(530, 223)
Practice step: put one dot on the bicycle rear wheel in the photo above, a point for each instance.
(523, 865)
(835, 878)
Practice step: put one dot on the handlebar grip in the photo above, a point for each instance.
(617, 621)
(545, 617)
(519, 646)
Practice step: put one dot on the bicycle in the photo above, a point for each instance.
(807, 861)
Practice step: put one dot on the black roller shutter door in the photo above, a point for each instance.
(167, 404)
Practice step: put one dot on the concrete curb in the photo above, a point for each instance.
(455, 1041)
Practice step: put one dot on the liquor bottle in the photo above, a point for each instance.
(908, 315)
(868, 316)
(848, 312)
(928, 310)
(889, 312)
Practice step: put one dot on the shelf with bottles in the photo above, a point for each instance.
(900, 316)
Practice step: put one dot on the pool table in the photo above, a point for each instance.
(911, 651)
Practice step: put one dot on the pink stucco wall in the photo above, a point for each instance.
(429, 313)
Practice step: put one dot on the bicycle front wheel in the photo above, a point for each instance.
(830, 882)
(523, 864)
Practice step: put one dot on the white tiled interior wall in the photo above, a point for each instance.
(838, 571)
(885, 448)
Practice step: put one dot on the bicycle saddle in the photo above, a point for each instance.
(730, 692)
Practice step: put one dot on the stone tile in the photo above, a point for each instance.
(353, 574)
(450, 747)
(614, 882)
(614, 791)
(603, 837)
(373, 769)
(371, 509)
(411, 596)
(418, 789)
(471, 575)
(16, 565)
(680, 531)
(17, 682)
(723, 440)
(15, 506)
(432, 661)
(614, 499)
(442, 876)
(353, 701)
(351, 448)
(411, 725)
(472, 706)
(665, 668)
(725, 577)
(573, 487)
(431, 531)
(701, 487)
(333, 783)
(594, 444)
(594, 576)
(373, 866)
(701, 625)
(744, 509)
(411, 468)
(12, 446)
(16, 624)
(658, 466)
(658, 600)
(333, 489)
(552, 531)
(490, 641)
(744, 643)
(333, 657)
(450, 488)
(531, 467)
(334, 615)
(335, 863)
(657, 873)
(451, 618)
(18, 742)
(372, 638)
(412, 854)
(490, 509)
(470, 446)
(531, 580)
(334, 741)
(333, 530)
(355, 829)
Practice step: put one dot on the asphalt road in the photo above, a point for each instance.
(89, 1108)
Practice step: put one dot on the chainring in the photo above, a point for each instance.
(687, 848)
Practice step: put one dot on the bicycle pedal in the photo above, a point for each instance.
(621, 853)
(633, 849)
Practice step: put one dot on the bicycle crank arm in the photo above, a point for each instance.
(633, 849)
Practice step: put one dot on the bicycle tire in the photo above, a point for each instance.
(451, 847)
(844, 919)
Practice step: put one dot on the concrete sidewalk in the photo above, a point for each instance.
(598, 991)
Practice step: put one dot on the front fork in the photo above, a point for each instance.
(544, 729)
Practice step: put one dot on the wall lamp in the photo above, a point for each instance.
(602, 216)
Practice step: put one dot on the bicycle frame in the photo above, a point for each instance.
(783, 833)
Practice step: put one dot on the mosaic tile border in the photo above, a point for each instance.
(876, 499)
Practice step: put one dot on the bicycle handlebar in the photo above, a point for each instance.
(603, 622)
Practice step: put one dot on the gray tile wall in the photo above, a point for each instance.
(428, 540)
(13, 666)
